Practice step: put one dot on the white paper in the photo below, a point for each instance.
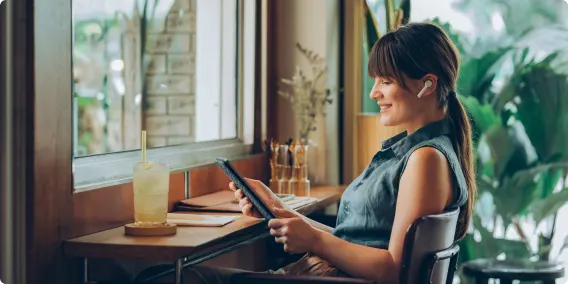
(182, 219)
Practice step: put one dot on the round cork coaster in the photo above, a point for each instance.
(135, 230)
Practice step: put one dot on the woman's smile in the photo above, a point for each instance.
(384, 107)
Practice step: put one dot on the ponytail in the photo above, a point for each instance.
(464, 150)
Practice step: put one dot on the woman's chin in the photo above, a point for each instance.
(385, 121)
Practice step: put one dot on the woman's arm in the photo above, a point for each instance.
(425, 188)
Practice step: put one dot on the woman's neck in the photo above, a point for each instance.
(423, 120)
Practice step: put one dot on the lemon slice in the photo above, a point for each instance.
(148, 166)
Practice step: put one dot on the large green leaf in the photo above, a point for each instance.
(542, 108)
(500, 146)
(509, 91)
(511, 150)
(469, 249)
(545, 41)
(371, 28)
(477, 74)
(405, 7)
(512, 248)
(544, 247)
(542, 208)
(491, 247)
(482, 115)
(370, 36)
(485, 206)
(459, 41)
(524, 187)
(549, 181)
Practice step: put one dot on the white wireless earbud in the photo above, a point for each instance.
(427, 85)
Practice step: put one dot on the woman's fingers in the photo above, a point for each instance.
(281, 240)
(247, 208)
(239, 194)
(276, 223)
(278, 232)
(244, 202)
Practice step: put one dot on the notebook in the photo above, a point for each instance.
(185, 219)
(220, 201)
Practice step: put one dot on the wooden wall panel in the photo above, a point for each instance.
(177, 190)
(211, 179)
(370, 136)
(51, 204)
(113, 206)
(102, 209)
(352, 54)
(16, 143)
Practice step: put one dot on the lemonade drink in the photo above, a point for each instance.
(151, 186)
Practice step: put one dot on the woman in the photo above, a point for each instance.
(425, 170)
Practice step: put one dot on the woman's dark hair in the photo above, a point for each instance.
(415, 50)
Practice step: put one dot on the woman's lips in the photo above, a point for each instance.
(384, 107)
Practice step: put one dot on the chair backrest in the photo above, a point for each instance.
(430, 254)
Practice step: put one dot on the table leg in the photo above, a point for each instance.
(179, 271)
(85, 271)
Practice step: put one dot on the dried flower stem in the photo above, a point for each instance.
(307, 98)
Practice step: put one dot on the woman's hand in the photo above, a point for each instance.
(293, 231)
(261, 190)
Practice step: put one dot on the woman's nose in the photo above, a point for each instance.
(375, 93)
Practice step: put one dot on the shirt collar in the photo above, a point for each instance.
(401, 143)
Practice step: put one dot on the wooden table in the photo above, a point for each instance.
(191, 245)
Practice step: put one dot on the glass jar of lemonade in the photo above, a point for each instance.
(151, 187)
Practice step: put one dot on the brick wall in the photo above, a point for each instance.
(169, 112)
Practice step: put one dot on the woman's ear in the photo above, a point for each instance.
(430, 81)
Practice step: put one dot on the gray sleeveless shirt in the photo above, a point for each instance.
(368, 205)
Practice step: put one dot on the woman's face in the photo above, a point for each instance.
(399, 106)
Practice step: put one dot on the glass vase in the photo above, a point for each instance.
(299, 183)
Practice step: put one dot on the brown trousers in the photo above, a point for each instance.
(307, 265)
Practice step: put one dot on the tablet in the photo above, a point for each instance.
(241, 183)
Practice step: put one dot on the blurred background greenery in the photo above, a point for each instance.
(513, 81)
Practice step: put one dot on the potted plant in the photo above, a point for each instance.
(516, 98)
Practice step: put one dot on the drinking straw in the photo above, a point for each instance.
(144, 146)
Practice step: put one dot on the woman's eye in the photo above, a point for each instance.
(386, 82)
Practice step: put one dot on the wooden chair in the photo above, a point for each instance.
(429, 256)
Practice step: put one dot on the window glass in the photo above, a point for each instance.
(165, 66)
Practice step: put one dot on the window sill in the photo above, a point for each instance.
(94, 172)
